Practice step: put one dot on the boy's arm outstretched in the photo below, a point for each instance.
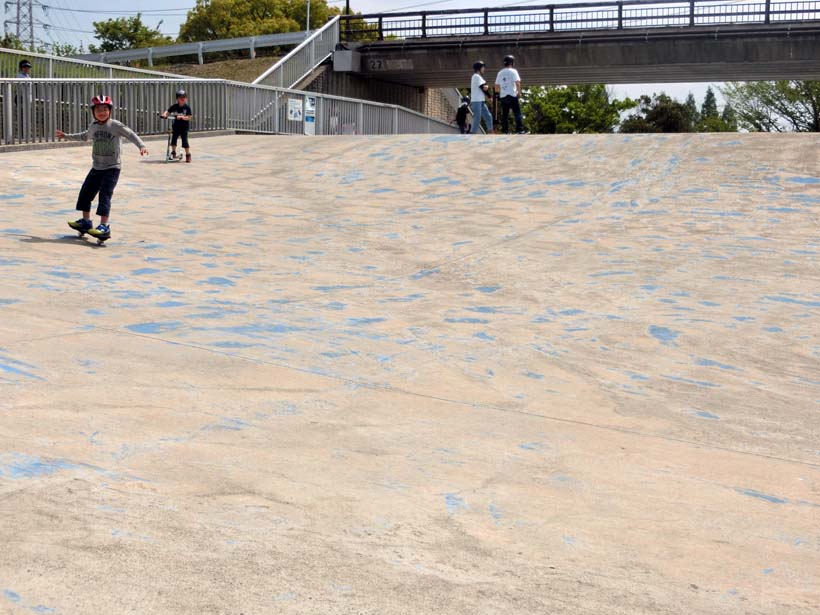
(129, 134)
(74, 136)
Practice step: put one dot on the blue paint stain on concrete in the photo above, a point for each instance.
(488, 290)
(12, 596)
(711, 363)
(781, 299)
(484, 336)
(405, 299)
(18, 466)
(603, 274)
(571, 312)
(494, 511)
(530, 446)
(424, 273)
(363, 322)
(11, 197)
(774, 330)
(706, 415)
(485, 309)
(663, 334)
(473, 321)
(217, 281)
(699, 383)
(762, 496)
(150, 328)
(381, 190)
(534, 375)
(768, 571)
(804, 180)
(336, 306)
(171, 304)
(11, 366)
(569, 540)
(330, 289)
(146, 271)
(454, 503)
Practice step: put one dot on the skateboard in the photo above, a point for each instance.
(93, 232)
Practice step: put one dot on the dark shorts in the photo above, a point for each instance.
(98, 182)
(177, 132)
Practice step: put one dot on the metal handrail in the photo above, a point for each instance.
(31, 110)
(614, 15)
(199, 48)
(58, 66)
(302, 60)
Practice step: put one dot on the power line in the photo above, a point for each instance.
(169, 12)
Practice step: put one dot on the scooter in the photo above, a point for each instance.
(168, 158)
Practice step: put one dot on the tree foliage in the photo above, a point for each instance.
(775, 106)
(126, 33)
(572, 109)
(659, 113)
(216, 19)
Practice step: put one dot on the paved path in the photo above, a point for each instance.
(415, 375)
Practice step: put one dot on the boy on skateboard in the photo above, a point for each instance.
(182, 123)
(105, 134)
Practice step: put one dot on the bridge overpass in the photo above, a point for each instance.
(633, 41)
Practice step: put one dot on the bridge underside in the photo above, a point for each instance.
(726, 53)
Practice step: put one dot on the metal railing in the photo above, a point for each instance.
(300, 62)
(620, 15)
(251, 43)
(53, 67)
(31, 110)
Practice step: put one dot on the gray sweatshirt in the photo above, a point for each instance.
(106, 151)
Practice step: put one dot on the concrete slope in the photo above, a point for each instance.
(414, 374)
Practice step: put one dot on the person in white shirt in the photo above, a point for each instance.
(478, 93)
(508, 86)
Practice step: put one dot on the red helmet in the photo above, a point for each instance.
(102, 99)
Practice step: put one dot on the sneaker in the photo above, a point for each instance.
(172, 156)
(103, 231)
(187, 157)
(523, 132)
(83, 224)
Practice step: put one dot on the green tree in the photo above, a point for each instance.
(126, 33)
(215, 19)
(692, 110)
(9, 41)
(709, 108)
(729, 117)
(659, 113)
(775, 106)
(572, 109)
(66, 50)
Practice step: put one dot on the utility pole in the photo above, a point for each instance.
(307, 25)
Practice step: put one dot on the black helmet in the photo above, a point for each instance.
(465, 99)
(478, 65)
(25, 64)
(181, 93)
(509, 60)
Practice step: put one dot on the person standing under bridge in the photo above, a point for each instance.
(478, 93)
(508, 86)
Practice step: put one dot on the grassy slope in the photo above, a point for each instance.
(236, 70)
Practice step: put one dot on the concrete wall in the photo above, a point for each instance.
(428, 101)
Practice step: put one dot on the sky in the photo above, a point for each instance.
(71, 21)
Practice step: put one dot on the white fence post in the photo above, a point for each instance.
(8, 110)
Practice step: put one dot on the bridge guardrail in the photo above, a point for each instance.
(31, 110)
(619, 15)
(54, 67)
(250, 43)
